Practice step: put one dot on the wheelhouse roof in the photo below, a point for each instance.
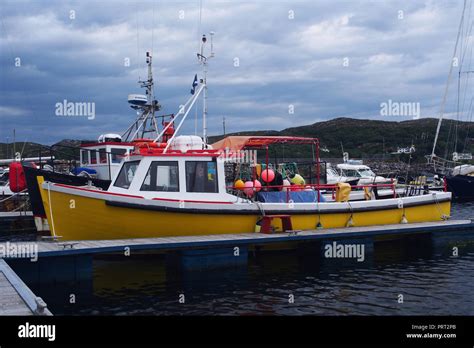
(157, 152)
(352, 166)
(113, 143)
(237, 143)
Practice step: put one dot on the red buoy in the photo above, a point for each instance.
(17, 177)
(169, 131)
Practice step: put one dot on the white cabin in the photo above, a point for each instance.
(189, 177)
(364, 173)
(104, 157)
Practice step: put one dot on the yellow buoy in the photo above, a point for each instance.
(239, 184)
(297, 180)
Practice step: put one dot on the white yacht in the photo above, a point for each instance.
(365, 175)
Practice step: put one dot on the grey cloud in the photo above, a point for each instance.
(282, 61)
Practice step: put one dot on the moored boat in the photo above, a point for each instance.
(362, 172)
(165, 191)
(462, 186)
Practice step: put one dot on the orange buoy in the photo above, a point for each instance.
(239, 184)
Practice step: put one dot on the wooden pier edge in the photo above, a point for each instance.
(30, 305)
(65, 248)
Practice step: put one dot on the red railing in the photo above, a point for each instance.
(317, 187)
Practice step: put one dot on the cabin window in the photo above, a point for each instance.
(201, 176)
(162, 176)
(366, 172)
(332, 172)
(102, 156)
(127, 172)
(85, 157)
(93, 157)
(351, 173)
(118, 155)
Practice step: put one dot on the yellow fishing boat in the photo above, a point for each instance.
(182, 190)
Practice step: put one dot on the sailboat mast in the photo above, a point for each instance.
(447, 84)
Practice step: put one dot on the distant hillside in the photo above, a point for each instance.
(368, 138)
(361, 138)
(66, 148)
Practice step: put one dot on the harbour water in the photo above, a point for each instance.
(430, 279)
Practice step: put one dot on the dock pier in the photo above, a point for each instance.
(88, 247)
(238, 246)
(64, 261)
(15, 297)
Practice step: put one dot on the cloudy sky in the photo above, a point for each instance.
(323, 58)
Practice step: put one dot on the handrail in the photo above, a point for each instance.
(13, 195)
(316, 187)
(329, 186)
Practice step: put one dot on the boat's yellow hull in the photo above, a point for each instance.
(76, 217)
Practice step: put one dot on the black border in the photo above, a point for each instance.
(288, 330)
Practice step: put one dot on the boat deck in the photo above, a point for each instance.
(15, 297)
(64, 248)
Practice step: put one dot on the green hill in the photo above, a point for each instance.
(369, 138)
(65, 149)
(361, 138)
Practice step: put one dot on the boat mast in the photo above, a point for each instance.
(146, 110)
(186, 108)
(151, 102)
(203, 61)
(433, 155)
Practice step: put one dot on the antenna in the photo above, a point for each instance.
(212, 45)
(203, 61)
